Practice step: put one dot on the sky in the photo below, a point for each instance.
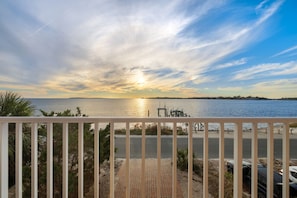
(141, 48)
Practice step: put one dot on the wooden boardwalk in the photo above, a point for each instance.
(150, 179)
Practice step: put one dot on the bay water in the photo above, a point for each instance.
(149, 107)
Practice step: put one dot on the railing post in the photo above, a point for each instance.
(254, 174)
(34, 160)
(174, 163)
(111, 159)
(49, 153)
(190, 160)
(19, 160)
(65, 160)
(159, 160)
(96, 160)
(286, 155)
(237, 169)
(205, 161)
(127, 160)
(270, 160)
(221, 161)
(4, 159)
(143, 161)
(80, 159)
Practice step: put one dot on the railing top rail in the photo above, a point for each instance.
(150, 119)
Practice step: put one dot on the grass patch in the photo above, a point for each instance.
(213, 174)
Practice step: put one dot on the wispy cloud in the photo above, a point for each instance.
(230, 89)
(266, 70)
(261, 4)
(275, 88)
(238, 62)
(291, 50)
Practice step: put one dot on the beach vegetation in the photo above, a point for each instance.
(182, 162)
(12, 104)
(151, 129)
(88, 131)
(213, 173)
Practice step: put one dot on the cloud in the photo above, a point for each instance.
(261, 5)
(266, 70)
(230, 89)
(238, 62)
(276, 88)
(285, 52)
(75, 46)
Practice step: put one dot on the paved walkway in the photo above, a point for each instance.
(150, 179)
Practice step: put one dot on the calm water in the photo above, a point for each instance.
(193, 107)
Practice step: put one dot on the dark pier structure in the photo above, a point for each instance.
(164, 112)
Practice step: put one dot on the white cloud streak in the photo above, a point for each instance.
(266, 70)
(289, 50)
(238, 62)
(261, 4)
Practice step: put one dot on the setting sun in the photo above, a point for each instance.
(140, 79)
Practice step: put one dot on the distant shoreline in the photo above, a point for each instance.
(198, 98)
(224, 98)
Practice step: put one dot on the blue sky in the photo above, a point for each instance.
(127, 48)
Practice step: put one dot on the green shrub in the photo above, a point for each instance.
(182, 162)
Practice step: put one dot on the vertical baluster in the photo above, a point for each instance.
(254, 185)
(270, 158)
(221, 161)
(127, 160)
(4, 159)
(190, 160)
(80, 159)
(174, 163)
(159, 160)
(49, 175)
(96, 160)
(143, 161)
(111, 159)
(19, 160)
(34, 160)
(286, 155)
(205, 161)
(65, 160)
(237, 170)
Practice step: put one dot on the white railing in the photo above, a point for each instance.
(221, 122)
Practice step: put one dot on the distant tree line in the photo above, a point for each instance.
(217, 97)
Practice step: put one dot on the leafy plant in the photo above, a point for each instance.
(72, 152)
(12, 104)
(182, 162)
(104, 152)
(104, 144)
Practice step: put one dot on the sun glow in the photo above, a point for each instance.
(140, 79)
